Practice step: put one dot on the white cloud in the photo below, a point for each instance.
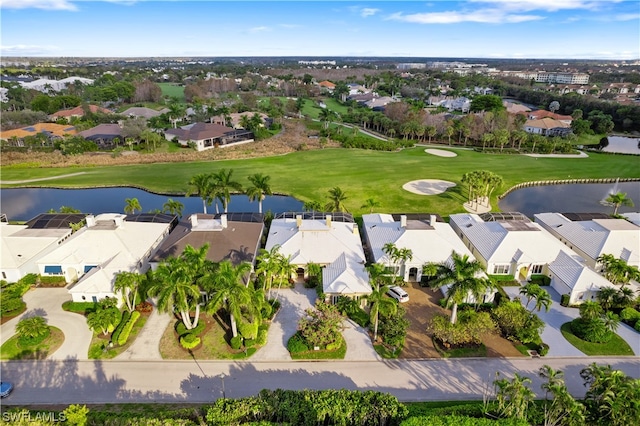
(259, 29)
(28, 49)
(627, 17)
(38, 4)
(368, 11)
(486, 16)
(546, 5)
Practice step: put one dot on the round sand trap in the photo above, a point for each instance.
(440, 152)
(427, 186)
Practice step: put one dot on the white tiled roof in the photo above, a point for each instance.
(346, 275)
(571, 271)
(20, 244)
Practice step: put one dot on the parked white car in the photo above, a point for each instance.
(398, 293)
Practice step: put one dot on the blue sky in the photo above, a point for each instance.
(474, 28)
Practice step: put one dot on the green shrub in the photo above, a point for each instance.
(266, 311)
(236, 342)
(543, 349)
(181, 329)
(248, 330)
(123, 321)
(189, 341)
(25, 341)
(333, 346)
(28, 280)
(248, 343)
(540, 279)
(360, 317)
(11, 305)
(296, 344)
(564, 300)
(456, 420)
(592, 330)
(82, 308)
(53, 281)
(637, 326)
(630, 315)
(76, 414)
(261, 340)
(124, 335)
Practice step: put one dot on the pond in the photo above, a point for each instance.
(569, 198)
(622, 145)
(26, 203)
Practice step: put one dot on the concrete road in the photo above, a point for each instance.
(90, 382)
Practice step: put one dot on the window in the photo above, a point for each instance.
(500, 269)
(536, 269)
(4, 275)
(53, 270)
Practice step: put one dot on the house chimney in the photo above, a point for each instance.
(403, 221)
(194, 220)
(355, 228)
(298, 220)
(91, 220)
(223, 221)
(432, 219)
(328, 217)
(118, 221)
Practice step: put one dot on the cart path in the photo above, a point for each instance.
(12, 182)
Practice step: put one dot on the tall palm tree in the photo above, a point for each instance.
(228, 291)
(543, 300)
(618, 199)
(459, 273)
(128, 283)
(336, 200)
(174, 284)
(132, 205)
(173, 207)
(531, 292)
(224, 185)
(606, 297)
(259, 188)
(378, 302)
(312, 206)
(269, 266)
(201, 186)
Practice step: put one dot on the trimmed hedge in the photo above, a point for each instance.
(53, 281)
(124, 335)
(123, 321)
(564, 300)
(248, 330)
(297, 344)
(189, 341)
(236, 342)
(454, 420)
(181, 329)
(261, 340)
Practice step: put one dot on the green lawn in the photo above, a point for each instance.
(361, 174)
(172, 90)
(12, 350)
(616, 346)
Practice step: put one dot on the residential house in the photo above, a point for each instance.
(430, 239)
(23, 245)
(231, 236)
(355, 89)
(45, 85)
(235, 119)
(515, 108)
(378, 104)
(456, 104)
(541, 113)
(331, 240)
(327, 85)
(507, 243)
(569, 275)
(50, 131)
(592, 237)
(207, 136)
(109, 243)
(78, 111)
(547, 127)
(103, 134)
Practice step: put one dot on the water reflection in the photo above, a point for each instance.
(26, 203)
(575, 198)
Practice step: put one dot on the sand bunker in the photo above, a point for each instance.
(427, 186)
(440, 152)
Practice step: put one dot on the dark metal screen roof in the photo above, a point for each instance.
(575, 217)
(335, 216)
(502, 216)
(153, 218)
(425, 217)
(55, 220)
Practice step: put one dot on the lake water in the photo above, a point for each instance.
(26, 203)
(623, 145)
(569, 198)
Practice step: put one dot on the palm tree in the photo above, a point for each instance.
(260, 188)
(336, 200)
(131, 205)
(285, 269)
(459, 273)
(390, 250)
(543, 300)
(590, 310)
(370, 203)
(534, 292)
(312, 206)
(201, 186)
(32, 327)
(326, 115)
(174, 284)
(378, 302)
(624, 298)
(268, 266)
(224, 185)
(618, 199)
(606, 297)
(173, 207)
(611, 321)
(128, 283)
(228, 291)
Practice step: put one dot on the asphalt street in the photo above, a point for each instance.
(91, 382)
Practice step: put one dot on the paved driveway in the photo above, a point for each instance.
(47, 302)
(147, 343)
(293, 303)
(558, 315)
